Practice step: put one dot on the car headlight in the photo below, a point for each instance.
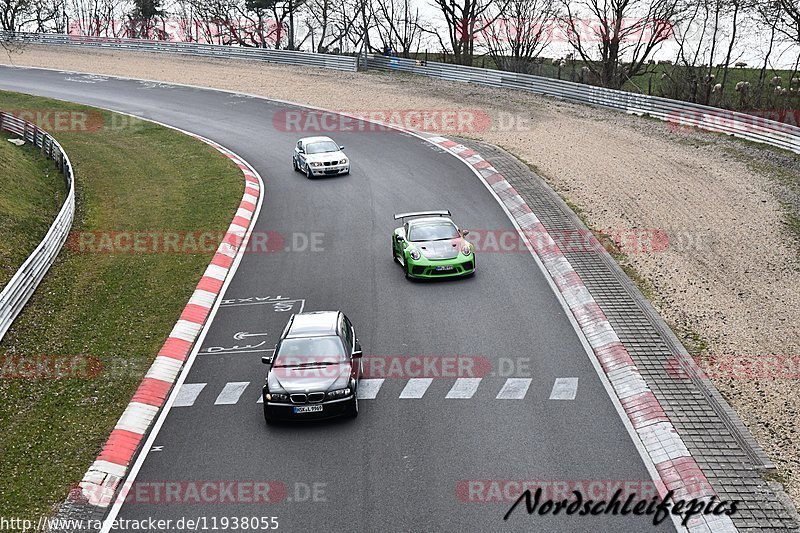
(277, 397)
(316, 164)
(415, 254)
(339, 393)
(466, 249)
(343, 162)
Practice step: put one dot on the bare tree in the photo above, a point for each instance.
(398, 25)
(465, 19)
(615, 38)
(521, 35)
(337, 22)
(94, 17)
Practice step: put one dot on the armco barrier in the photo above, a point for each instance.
(19, 289)
(741, 125)
(287, 57)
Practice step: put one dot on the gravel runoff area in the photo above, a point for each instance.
(728, 282)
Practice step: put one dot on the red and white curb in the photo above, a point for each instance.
(104, 476)
(676, 467)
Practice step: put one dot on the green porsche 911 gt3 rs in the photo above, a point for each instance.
(430, 245)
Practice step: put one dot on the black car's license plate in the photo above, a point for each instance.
(444, 267)
(308, 409)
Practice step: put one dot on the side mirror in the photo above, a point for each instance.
(358, 354)
(341, 148)
(464, 232)
(300, 151)
(400, 238)
(266, 359)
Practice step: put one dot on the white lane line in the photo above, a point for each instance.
(416, 387)
(187, 394)
(231, 393)
(564, 389)
(368, 388)
(464, 388)
(514, 389)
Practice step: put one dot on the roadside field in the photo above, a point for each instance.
(31, 194)
(76, 354)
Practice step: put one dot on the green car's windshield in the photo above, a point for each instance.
(310, 351)
(436, 231)
(322, 147)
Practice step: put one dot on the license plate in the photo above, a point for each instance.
(308, 409)
(444, 267)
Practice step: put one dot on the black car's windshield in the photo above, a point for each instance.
(432, 232)
(321, 147)
(310, 351)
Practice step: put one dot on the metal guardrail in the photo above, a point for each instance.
(286, 57)
(750, 127)
(19, 289)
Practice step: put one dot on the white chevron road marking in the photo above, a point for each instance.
(416, 387)
(464, 388)
(368, 388)
(187, 394)
(231, 393)
(564, 389)
(514, 389)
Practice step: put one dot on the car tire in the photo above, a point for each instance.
(406, 272)
(294, 164)
(353, 412)
(269, 421)
(309, 175)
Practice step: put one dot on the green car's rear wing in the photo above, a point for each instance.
(443, 213)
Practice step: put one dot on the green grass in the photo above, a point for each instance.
(31, 194)
(115, 308)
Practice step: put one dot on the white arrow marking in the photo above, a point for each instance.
(241, 335)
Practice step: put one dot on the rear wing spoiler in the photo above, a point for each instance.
(442, 213)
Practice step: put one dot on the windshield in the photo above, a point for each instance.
(432, 232)
(322, 147)
(311, 351)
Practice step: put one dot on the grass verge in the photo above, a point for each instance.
(113, 308)
(31, 193)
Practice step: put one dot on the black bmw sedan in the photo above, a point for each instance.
(315, 370)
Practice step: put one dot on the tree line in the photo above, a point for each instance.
(611, 43)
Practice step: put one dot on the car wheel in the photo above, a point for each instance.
(406, 272)
(294, 164)
(353, 413)
(309, 175)
(267, 418)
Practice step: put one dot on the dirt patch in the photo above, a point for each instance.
(729, 280)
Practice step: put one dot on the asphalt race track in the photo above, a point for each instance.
(401, 464)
